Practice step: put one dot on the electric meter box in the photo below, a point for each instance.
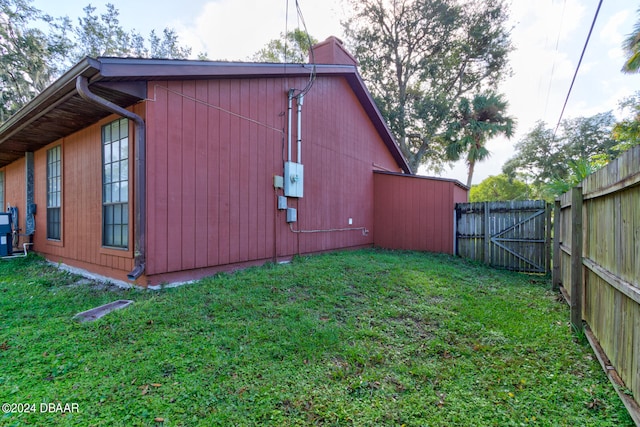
(293, 179)
(5, 234)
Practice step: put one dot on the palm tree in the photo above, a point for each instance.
(475, 122)
(578, 171)
(632, 47)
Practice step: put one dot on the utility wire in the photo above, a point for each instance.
(312, 77)
(578, 67)
(555, 58)
(286, 34)
(300, 17)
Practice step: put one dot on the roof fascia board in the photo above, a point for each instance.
(128, 68)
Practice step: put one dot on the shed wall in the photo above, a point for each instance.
(415, 213)
(213, 149)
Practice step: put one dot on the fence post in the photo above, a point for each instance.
(576, 258)
(547, 244)
(557, 257)
(487, 235)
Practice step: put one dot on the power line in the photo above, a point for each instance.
(555, 58)
(312, 76)
(578, 67)
(300, 17)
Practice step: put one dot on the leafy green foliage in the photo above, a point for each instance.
(542, 157)
(29, 57)
(36, 48)
(626, 132)
(357, 338)
(474, 122)
(499, 188)
(293, 47)
(104, 36)
(632, 48)
(578, 171)
(419, 57)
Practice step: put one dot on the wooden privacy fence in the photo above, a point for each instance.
(512, 235)
(597, 267)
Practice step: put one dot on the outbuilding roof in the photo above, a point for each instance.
(60, 111)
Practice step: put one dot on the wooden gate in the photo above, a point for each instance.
(512, 235)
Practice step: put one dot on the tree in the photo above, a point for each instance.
(578, 170)
(168, 46)
(474, 122)
(419, 57)
(36, 48)
(631, 46)
(498, 188)
(626, 132)
(292, 48)
(101, 35)
(29, 57)
(104, 36)
(542, 156)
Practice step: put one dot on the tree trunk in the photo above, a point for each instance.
(472, 165)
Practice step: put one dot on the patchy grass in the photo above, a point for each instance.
(362, 338)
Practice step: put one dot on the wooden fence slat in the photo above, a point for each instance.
(512, 235)
(606, 268)
(623, 286)
(576, 260)
(487, 234)
(556, 276)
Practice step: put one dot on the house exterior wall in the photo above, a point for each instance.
(415, 213)
(80, 244)
(213, 149)
(15, 190)
(15, 185)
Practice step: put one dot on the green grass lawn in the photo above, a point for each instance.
(364, 338)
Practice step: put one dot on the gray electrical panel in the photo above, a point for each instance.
(292, 215)
(282, 202)
(293, 179)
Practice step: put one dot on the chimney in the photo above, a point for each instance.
(331, 51)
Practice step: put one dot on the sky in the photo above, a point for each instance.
(548, 36)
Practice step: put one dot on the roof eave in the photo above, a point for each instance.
(64, 85)
(116, 69)
(367, 101)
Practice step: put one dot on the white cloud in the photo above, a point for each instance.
(235, 30)
(612, 31)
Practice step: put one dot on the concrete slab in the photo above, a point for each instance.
(98, 312)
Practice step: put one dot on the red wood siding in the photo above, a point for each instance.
(81, 240)
(415, 213)
(213, 149)
(15, 189)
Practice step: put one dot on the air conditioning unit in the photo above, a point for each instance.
(5, 234)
